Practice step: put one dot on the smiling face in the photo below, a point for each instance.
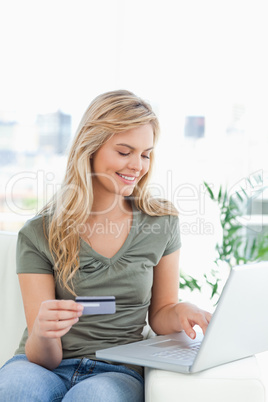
(122, 161)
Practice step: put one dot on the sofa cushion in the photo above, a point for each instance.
(12, 316)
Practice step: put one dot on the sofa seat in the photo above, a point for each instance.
(239, 381)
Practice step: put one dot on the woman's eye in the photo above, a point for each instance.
(128, 153)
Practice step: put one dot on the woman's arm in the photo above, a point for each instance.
(166, 314)
(47, 319)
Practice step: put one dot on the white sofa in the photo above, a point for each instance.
(242, 381)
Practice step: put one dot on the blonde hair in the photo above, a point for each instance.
(108, 114)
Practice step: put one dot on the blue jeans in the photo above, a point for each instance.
(73, 380)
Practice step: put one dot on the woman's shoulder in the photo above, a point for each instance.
(156, 234)
(33, 254)
(161, 225)
(158, 210)
(34, 228)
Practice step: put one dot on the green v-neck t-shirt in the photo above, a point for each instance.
(128, 276)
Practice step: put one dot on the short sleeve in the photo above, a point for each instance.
(30, 257)
(174, 242)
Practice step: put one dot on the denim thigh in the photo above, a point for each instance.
(97, 381)
(23, 381)
(73, 380)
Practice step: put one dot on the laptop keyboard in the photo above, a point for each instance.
(180, 353)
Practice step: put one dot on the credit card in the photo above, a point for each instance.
(97, 305)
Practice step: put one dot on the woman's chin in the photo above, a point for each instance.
(127, 191)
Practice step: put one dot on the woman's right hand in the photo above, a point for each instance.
(47, 319)
(56, 317)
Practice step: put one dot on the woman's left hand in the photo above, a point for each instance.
(189, 315)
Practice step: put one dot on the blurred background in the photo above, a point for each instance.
(202, 64)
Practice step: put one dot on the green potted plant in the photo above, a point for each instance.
(235, 247)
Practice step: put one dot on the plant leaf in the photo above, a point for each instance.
(209, 191)
(220, 194)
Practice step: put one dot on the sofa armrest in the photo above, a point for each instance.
(12, 315)
(232, 382)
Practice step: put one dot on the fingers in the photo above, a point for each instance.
(190, 315)
(62, 305)
(203, 324)
(56, 317)
(202, 319)
(61, 309)
(187, 327)
(57, 329)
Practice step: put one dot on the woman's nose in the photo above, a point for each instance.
(135, 163)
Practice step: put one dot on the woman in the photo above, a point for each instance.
(101, 235)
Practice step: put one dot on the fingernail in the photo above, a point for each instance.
(192, 335)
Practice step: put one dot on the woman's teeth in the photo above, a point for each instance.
(127, 177)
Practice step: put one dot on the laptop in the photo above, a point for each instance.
(238, 329)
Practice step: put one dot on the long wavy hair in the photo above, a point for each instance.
(108, 114)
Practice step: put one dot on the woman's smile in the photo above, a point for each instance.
(127, 179)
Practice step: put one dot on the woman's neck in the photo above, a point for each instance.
(112, 208)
